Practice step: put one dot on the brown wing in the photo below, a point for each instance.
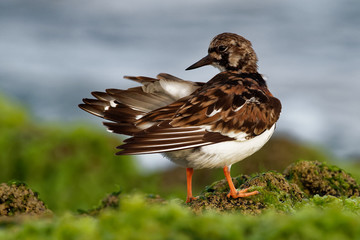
(163, 137)
(123, 107)
(230, 106)
(240, 106)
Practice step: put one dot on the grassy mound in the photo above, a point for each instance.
(318, 218)
(18, 199)
(281, 211)
(71, 166)
(278, 191)
(319, 178)
(275, 191)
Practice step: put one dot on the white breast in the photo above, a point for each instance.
(221, 154)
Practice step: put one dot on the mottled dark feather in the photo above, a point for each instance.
(233, 105)
(258, 112)
(133, 103)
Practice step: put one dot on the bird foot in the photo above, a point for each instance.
(190, 199)
(242, 193)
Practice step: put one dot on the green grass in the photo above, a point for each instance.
(70, 166)
(319, 218)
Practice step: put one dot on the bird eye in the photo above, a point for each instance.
(222, 48)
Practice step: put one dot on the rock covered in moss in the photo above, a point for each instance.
(276, 182)
(223, 186)
(278, 191)
(275, 192)
(314, 177)
(110, 201)
(17, 199)
(220, 202)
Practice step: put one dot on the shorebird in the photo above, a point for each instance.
(194, 124)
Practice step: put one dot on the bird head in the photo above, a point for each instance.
(229, 52)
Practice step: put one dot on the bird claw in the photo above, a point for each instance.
(190, 199)
(242, 193)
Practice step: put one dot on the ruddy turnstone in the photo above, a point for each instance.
(196, 125)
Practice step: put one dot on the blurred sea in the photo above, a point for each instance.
(54, 53)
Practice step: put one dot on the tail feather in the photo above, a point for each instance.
(124, 107)
(121, 128)
(93, 109)
(102, 96)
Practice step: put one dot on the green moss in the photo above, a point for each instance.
(110, 201)
(320, 218)
(72, 166)
(12, 114)
(281, 212)
(279, 192)
(275, 193)
(320, 178)
(18, 199)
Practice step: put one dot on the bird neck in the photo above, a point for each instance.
(247, 64)
(249, 69)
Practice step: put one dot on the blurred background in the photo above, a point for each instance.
(54, 53)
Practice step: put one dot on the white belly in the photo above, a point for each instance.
(221, 154)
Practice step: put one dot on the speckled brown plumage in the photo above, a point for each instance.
(196, 125)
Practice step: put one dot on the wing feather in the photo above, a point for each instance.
(163, 138)
(230, 106)
(124, 107)
(234, 105)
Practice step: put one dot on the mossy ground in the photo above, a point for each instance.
(135, 218)
(285, 208)
(17, 199)
(279, 192)
(319, 178)
(274, 192)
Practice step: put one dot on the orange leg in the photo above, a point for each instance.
(189, 173)
(233, 192)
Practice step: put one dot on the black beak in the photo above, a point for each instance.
(202, 62)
